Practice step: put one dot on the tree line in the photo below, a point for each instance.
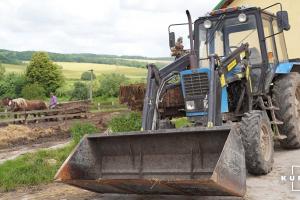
(16, 57)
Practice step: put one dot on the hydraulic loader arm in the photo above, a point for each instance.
(237, 67)
(154, 79)
(239, 57)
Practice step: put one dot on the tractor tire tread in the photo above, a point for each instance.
(250, 131)
(284, 97)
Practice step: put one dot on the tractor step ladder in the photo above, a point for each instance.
(275, 122)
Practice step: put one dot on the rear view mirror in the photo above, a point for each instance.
(171, 39)
(283, 20)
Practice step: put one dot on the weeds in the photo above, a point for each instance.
(78, 130)
(126, 122)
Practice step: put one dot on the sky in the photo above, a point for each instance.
(119, 27)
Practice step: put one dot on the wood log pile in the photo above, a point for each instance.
(133, 96)
(74, 107)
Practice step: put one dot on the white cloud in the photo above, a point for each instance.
(122, 27)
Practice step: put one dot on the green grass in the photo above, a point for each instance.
(181, 122)
(32, 168)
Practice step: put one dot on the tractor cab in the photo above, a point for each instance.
(223, 31)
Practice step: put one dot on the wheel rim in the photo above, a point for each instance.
(297, 102)
(265, 142)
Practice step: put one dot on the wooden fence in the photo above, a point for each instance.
(108, 106)
(64, 113)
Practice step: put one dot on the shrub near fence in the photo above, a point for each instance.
(126, 122)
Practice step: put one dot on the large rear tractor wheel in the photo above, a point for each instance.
(286, 95)
(257, 137)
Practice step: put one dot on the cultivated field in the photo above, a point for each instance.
(74, 70)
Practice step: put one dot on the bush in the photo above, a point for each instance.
(110, 84)
(33, 91)
(80, 91)
(78, 130)
(63, 91)
(86, 76)
(126, 122)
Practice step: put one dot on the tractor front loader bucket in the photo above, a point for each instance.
(187, 161)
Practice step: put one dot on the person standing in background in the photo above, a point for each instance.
(53, 101)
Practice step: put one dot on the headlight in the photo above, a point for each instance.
(207, 24)
(242, 17)
(190, 105)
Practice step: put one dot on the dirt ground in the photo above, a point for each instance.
(16, 140)
(16, 135)
(269, 187)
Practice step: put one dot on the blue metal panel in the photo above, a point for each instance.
(224, 100)
(285, 67)
(192, 114)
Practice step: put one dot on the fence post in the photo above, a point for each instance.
(64, 111)
(25, 117)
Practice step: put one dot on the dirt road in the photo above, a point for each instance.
(12, 153)
(269, 187)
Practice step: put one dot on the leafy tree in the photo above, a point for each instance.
(33, 91)
(44, 72)
(86, 76)
(11, 85)
(19, 83)
(80, 91)
(110, 84)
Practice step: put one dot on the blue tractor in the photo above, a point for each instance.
(241, 92)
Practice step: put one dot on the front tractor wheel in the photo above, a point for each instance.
(257, 137)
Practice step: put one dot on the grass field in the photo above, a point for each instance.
(14, 68)
(74, 70)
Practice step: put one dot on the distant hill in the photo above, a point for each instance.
(16, 57)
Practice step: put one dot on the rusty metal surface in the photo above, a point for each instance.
(190, 161)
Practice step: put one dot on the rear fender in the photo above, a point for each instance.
(287, 67)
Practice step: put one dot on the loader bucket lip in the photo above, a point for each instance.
(164, 131)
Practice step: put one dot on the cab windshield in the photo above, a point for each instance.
(227, 34)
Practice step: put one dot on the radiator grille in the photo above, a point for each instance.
(196, 85)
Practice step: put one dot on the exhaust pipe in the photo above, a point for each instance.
(193, 58)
